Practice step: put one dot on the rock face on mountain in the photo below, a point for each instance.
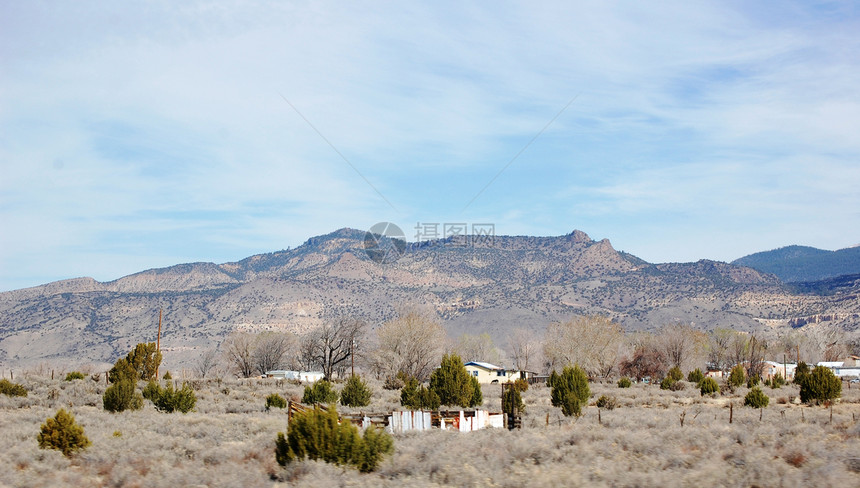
(489, 285)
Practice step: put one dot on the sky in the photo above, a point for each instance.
(136, 135)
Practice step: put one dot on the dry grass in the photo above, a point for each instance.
(229, 441)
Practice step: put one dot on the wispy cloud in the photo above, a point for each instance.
(154, 133)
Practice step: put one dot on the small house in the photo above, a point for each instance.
(842, 369)
(490, 373)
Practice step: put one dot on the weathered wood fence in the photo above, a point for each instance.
(416, 420)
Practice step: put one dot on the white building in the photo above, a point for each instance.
(842, 368)
(303, 376)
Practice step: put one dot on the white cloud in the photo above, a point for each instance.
(126, 121)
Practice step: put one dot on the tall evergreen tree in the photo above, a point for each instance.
(453, 384)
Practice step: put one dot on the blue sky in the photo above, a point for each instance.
(136, 135)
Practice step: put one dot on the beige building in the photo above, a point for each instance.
(490, 373)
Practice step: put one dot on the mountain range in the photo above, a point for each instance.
(490, 285)
(793, 264)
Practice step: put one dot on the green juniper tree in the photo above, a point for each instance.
(454, 385)
(570, 390)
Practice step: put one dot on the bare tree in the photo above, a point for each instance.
(593, 342)
(411, 344)
(479, 347)
(306, 354)
(718, 348)
(334, 343)
(647, 361)
(738, 348)
(206, 362)
(756, 351)
(271, 350)
(681, 344)
(524, 348)
(238, 349)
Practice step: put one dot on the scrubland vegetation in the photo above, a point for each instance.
(229, 439)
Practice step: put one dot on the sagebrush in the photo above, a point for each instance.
(317, 435)
(63, 434)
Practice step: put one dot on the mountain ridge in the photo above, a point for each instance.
(804, 263)
(472, 285)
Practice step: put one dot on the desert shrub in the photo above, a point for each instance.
(63, 434)
(12, 389)
(607, 402)
(512, 399)
(708, 386)
(571, 405)
(477, 394)
(355, 393)
(140, 364)
(453, 384)
(122, 370)
(521, 385)
(756, 398)
(737, 377)
(675, 373)
(152, 391)
(800, 372)
(667, 383)
(753, 380)
(777, 381)
(317, 435)
(570, 390)
(696, 376)
(320, 392)
(396, 382)
(122, 396)
(377, 443)
(624, 382)
(74, 375)
(275, 401)
(170, 400)
(677, 386)
(820, 385)
(417, 396)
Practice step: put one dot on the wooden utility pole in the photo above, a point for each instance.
(158, 340)
(352, 356)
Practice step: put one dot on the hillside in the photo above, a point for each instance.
(803, 264)
(513, 281)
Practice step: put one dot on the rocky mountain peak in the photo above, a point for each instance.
(579, 236)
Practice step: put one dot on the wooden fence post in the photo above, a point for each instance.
(731, 411)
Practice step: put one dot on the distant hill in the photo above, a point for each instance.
(473, 286)
(793, 264)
